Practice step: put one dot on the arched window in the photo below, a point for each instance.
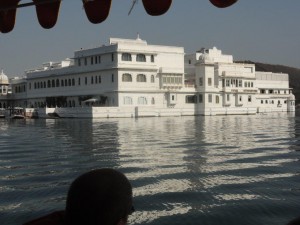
(141, 78)
(126, 57)
(127, 100)
(152, 78)
(126, 77)
(49, 83)
(140, 58)
(142, 101)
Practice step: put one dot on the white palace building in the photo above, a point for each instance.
(130, 78)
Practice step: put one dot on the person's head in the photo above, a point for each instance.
(99, 197)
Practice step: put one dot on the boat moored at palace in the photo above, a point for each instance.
(130, 78)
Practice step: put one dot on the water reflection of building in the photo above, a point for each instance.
(240, 150)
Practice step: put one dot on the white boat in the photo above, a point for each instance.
(16, 113)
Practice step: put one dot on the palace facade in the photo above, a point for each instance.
(129, 78)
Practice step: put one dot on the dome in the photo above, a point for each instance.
(3, 78)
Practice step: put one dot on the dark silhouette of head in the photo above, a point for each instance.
(295, 221)
(99, 197)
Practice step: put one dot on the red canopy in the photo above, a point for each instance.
(96, 10)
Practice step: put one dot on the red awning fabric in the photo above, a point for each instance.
(222, 3)
(157, 7)
(47, 12)
(8, 17)
(96, 10)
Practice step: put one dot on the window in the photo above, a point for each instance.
(142, 101)
(73, 82)
(112, 57)
(112, 78)
(240, 98)
(217, 99)
(249, 98)
(126, 77)
(200, 81)
(92, 60)
(262, 101)
(85, 80)
(96, 60)
(57, 83)
(152, 79)
(140, 58)
(127, 100)
(79, 62)
(153, 101)
(227, 83)
(49, 84)
(62, 83)
(245, 84)
(228, 97)
(200, 98)
(70, 83)
(240, 83)
(85, 61)
(92, 80)
(209, 82)
(79, 81)
(141, 78)
(126, 57)
(210, 98)
(152, 58)
(99, 79)
(191, 99)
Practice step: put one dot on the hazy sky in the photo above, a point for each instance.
(258, 30)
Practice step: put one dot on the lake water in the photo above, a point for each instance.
(220, 170)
